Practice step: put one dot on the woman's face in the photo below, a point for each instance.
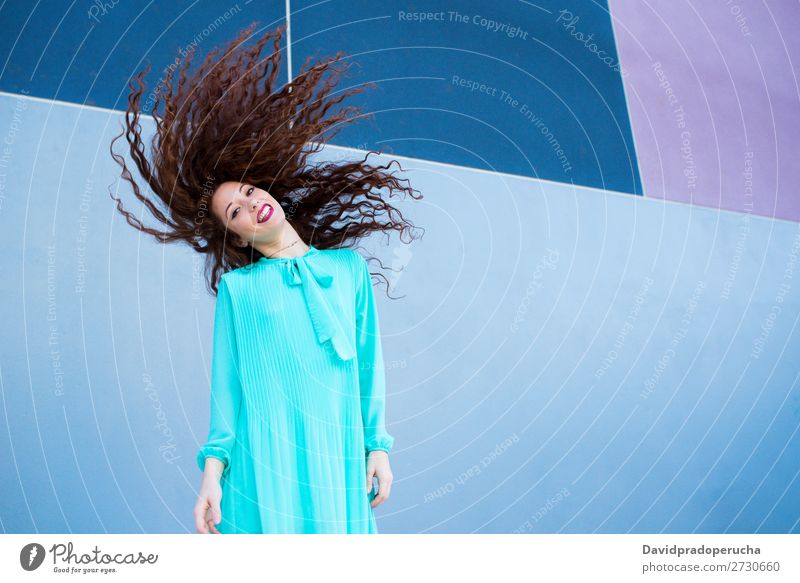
(249, 212)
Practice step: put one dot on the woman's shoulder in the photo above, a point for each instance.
(346, 254)
(236, 273)
(349, 259)
(232, 278)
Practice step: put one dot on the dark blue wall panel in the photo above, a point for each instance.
(545, 88)
(510, 86)
(86, 52)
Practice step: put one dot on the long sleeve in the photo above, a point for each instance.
(226, 391)
(371, 370)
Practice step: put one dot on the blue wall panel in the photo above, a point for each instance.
(82, 53)
(500, 86)
(563, 360)
(512, 87)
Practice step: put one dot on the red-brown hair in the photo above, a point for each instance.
(229, 122)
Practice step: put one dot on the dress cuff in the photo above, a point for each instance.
(215, 452)
(383, 443)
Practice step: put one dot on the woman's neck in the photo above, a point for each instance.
(290, 244)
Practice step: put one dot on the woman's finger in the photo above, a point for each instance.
(199, 518)
(212, 527)
(370, 474)
(384, 489)
(213, 517)
(379, 499)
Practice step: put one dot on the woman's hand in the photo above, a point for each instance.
(207, 509)
(378, 465)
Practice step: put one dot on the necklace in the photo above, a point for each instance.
(279, 250)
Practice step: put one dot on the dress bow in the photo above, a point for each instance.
(304, 271)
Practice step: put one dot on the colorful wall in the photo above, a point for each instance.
(597, 333)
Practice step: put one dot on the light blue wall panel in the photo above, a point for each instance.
(563, 359)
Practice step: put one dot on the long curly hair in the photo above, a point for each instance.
(229, 122)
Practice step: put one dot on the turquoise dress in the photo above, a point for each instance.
(297, 394)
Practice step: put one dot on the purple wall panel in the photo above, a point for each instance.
(712, 89)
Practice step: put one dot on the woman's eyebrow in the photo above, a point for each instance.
(230, 203)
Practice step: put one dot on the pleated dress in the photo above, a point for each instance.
(297, 394)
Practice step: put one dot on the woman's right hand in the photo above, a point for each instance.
(207, 511)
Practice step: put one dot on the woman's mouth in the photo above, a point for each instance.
(264, 213)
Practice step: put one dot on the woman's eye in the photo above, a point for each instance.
(236, 212)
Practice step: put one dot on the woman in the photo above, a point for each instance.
(297, 428)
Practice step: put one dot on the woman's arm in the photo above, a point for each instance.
(226, 390)
(371, 370)
(214, 458)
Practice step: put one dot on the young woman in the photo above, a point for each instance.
(297, 429)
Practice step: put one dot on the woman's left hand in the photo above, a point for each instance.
(378, 465)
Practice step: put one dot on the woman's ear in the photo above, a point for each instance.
(240, 242)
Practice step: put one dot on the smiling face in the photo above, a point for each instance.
(249, 214)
